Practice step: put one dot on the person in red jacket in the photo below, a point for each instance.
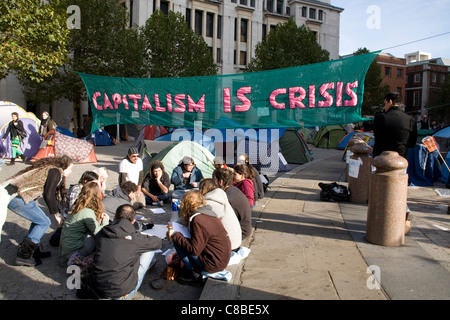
(209, 246)
(243, 177)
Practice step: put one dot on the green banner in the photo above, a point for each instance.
(324, 93)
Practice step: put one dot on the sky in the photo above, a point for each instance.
(385, 24)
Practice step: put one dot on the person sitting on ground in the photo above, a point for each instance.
(243, 181)
(131, 169)
(185, 176)
(72, 195)
(156, 184)
(125, 194)
(236, 198)
(218, 200)
(103, 175)
(219, 162)
(83, 222)
(122, 256)
(257, 183)
(208, 249)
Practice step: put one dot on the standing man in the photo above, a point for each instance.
(17, 133)
(394, 130)
(131, 169)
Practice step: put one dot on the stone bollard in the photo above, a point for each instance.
(353, 140)
(359, 185)
(386, 212)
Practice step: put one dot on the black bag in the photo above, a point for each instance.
(334, 192)
(23, 134)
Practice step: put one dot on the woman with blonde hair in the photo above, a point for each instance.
(208, 249)
(83, 222)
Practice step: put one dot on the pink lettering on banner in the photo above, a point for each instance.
(339, 93)
(246, 101)
(328, 98)
(296, 101)
(94, 100)
(348, 90)
(182, 106)
(146, 104)
(200, 105)
(125, 101)
(107, 104)
(135, 98)
(117, 100)
(169, 102)
(273, 101)
(157, 104)
(226, 100)
(312, 96)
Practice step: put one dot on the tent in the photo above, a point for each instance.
(56, 144)
(64, 131)
(30, 145)
(100, 138)
(328, 137)
(294, 147)
(171, 156)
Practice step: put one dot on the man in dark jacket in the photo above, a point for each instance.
(123, 256)
(394, 130)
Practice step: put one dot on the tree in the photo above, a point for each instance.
(174, 50)
(287, 46)
(33, 38)
(103, 45)
(440, 107)
(374, 90)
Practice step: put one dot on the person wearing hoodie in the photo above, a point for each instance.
(209, 247)
(124, 194)
(123, 256)
(218, 200)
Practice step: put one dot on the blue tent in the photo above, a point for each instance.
(100, 138)
(65, 131)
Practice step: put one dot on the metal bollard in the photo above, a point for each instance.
(359, 185)
(386, 212)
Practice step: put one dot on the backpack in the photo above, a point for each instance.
(169, 273)
(334, 192)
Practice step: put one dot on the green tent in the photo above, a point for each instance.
(171, 156)
(294, 148)
(328, 137)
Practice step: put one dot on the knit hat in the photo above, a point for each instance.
(187, 160)
(133, 150)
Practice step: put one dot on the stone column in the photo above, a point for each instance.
(386, 212)
(359, 186)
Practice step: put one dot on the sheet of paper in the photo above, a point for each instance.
(157, 210)
(158, 230)
(178, 227)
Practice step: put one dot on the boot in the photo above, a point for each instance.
(13, 162)
(25, 253)
(24, 158)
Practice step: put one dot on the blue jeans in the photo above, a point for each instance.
(189, 261)
(39, 220)
(144, 264)
(165, 197)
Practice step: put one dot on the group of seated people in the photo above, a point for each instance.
(216, 210)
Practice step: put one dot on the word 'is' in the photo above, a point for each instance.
(295, 96)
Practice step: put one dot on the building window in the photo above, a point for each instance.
(219, 55)
(264, 31)
(188, 17)
(433, 77)
(198, 21)
(219, 27)
(209, 24)
(279, 7)
(252, 3)
(244, 2)
(304, 12)
(417, 78)
(321, 15)
(244, 28)
(234, 1)
(399, 73)
(312, 13)
(387, 71)
(164, 7)
(416, 99)
(269, 5)
(243, 58)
